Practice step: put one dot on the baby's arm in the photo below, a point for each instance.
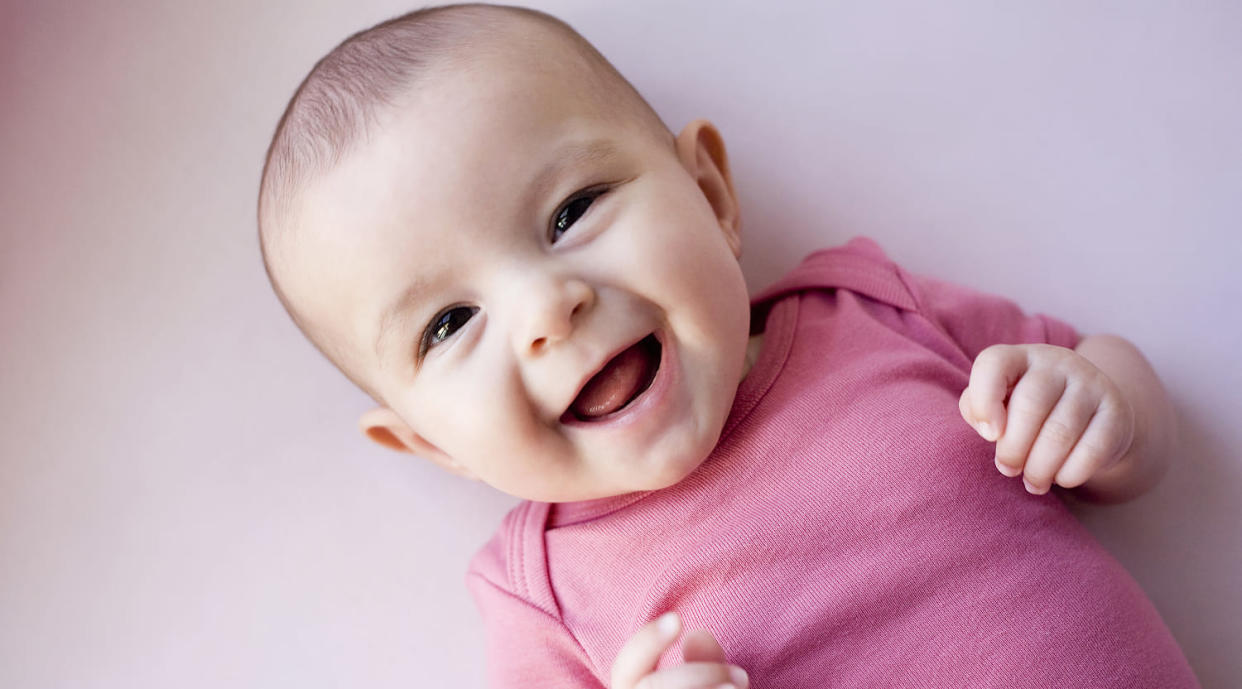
(1095, 418)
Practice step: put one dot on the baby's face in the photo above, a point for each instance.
(499, 242)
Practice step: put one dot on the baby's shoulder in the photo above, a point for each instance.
(860, 265)
(517, 545)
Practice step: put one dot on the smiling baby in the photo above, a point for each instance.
(483, 225)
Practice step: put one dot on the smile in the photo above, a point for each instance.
(622, 380)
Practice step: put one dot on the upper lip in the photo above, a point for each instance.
(599, 367)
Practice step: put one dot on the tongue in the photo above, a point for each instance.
(614, 386)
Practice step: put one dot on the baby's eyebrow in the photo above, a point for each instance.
(571, 155)
(388, 317)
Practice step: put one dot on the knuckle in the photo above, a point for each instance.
(992, 356)
(1037, 394)
(1088, 376)
(1058, 433)
(1057, 351)
(1050, 382)
(1040, 351)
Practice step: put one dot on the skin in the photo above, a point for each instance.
(440, 194)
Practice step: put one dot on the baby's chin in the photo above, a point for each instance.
(672, 470)
(669, 475)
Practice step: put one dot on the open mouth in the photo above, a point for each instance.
(621, 381)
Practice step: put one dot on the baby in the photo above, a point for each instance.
(487, 229)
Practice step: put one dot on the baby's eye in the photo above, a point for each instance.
(571, 210)
(444, 325)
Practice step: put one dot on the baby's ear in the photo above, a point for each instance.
(702, 152)
(384, 427)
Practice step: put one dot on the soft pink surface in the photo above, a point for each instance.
(184, 499)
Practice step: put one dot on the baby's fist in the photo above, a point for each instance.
(705, 666)
(1055, 417)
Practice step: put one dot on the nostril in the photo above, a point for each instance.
(538, 343)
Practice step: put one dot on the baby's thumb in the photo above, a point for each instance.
(701, 647)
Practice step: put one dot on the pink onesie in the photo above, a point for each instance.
(848, 530)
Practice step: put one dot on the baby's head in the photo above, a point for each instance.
(472, 214)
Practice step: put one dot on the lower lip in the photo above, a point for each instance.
(647, 401)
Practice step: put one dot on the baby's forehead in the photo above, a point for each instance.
(527, 47)
(502, 121)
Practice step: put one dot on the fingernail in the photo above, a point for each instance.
(668, 624)
(738, 675)
(1006, 469)
(1030, 488)
(726, 686)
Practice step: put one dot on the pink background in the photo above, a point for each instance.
(184, 498)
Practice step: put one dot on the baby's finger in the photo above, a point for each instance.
(641, 653)
(1105, 440)
(697, 676)
(1057, 437)
(1032, 400)
(701, 646)
(995, 372)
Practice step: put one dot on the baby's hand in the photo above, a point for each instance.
(1064, 421)
(705, 666)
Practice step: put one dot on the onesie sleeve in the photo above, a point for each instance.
(975, 320)
(526, 647)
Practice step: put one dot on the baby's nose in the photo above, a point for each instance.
(554, 312)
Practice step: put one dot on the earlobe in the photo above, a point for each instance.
(384, 427)
(701, 150)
